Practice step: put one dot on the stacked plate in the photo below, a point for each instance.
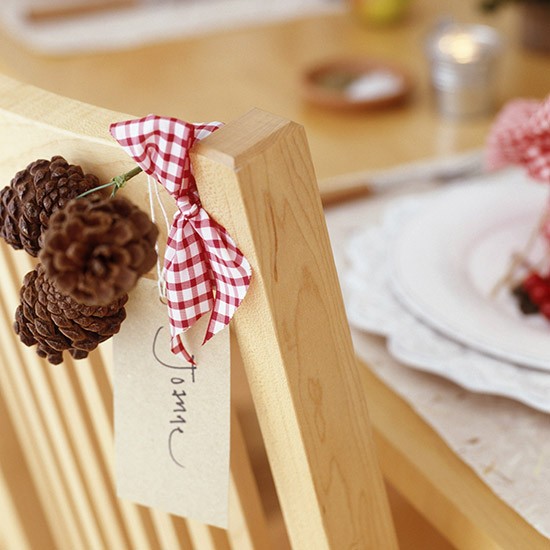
(424, 279)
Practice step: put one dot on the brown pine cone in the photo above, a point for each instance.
(33, 195)
(55, 322)
(95, 250)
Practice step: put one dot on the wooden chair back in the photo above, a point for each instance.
(256, 178)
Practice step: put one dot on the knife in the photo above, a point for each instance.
(346, 187)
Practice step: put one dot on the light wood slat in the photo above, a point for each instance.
(38, 445)
(256, 179)
(18, 477)
(244, 533)
(135, 521)
(205, 537)
(81, 446)
(38, 372)
(86, 455)
(105, 352)
(167, 533)
(96, 396)
(12, 533)
(247, 519)
(44, 470)
(183, 533)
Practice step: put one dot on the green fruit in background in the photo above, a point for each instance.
(381, 11)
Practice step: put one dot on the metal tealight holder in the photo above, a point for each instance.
(463, 62)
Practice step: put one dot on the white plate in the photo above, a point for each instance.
(446, 258)
(372, 307)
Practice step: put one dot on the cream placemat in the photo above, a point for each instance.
(149, 21)
(506, 443)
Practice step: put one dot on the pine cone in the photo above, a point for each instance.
(55, 322)
(95, 250)
(33, 195)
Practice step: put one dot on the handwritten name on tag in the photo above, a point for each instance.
(172, 419)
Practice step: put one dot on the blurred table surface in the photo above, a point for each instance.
(222, 75)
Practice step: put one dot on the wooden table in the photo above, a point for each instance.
(225, 74)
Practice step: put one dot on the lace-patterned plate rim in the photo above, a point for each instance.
(445, 260)
(374, 309)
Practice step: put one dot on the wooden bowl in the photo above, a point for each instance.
(352, 84)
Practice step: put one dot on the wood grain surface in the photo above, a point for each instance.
(256, 178)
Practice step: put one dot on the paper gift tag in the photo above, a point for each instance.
(172, 420)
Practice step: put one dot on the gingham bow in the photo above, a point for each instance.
(203, 268)
(521, 135)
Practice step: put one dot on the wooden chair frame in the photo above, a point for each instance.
(256, 178)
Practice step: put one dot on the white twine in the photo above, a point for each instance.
(152, 184)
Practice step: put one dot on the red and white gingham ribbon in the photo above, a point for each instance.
(203, 268)
(521, 135)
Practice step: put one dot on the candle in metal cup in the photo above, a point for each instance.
(463, 61)
(460, 45)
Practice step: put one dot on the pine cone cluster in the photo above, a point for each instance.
(96, 250)
(55, 322)
(33, 195)
(92, 249)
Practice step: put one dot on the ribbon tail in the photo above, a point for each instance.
(187, 283)
(178, 348)
(230, 273)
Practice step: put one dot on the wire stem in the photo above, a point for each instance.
(118, 182)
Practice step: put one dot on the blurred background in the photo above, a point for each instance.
(378, 85)
(215, 59)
